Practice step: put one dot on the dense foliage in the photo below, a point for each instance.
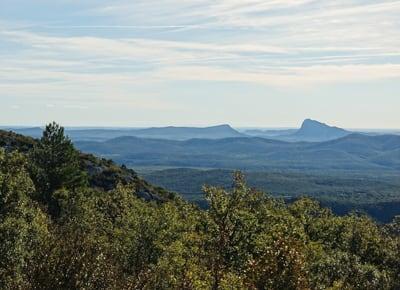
(69, 234)
(375, 193)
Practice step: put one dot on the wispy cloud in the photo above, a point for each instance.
(87, 59)
(141, 54)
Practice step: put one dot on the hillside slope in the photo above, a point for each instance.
(102, 173)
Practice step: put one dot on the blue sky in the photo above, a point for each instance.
(200, 62)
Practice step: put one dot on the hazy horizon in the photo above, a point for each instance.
(83, 126)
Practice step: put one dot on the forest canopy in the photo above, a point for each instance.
(63, 226)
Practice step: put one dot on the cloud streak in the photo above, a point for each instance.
(144, 51)
(130, 59)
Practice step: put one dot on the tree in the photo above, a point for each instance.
(23, 226)
(55, 165)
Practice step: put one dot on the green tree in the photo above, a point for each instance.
(251, 243)
(180, 242)
(23, 226)
(55, 165)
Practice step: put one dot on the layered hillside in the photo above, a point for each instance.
(352, 152)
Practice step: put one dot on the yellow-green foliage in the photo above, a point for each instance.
(23, 226)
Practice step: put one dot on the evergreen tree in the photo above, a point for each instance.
(55, 165)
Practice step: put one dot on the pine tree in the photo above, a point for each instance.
(56, 165)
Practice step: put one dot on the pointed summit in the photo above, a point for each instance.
(312, 130)
(309, 123)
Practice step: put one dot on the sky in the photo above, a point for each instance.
(254, 63)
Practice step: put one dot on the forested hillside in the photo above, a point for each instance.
(376, 194)
(72, 221)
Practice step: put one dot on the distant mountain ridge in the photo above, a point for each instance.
(310, 131)
(352, 152)
(185, 133)
(170, 132)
